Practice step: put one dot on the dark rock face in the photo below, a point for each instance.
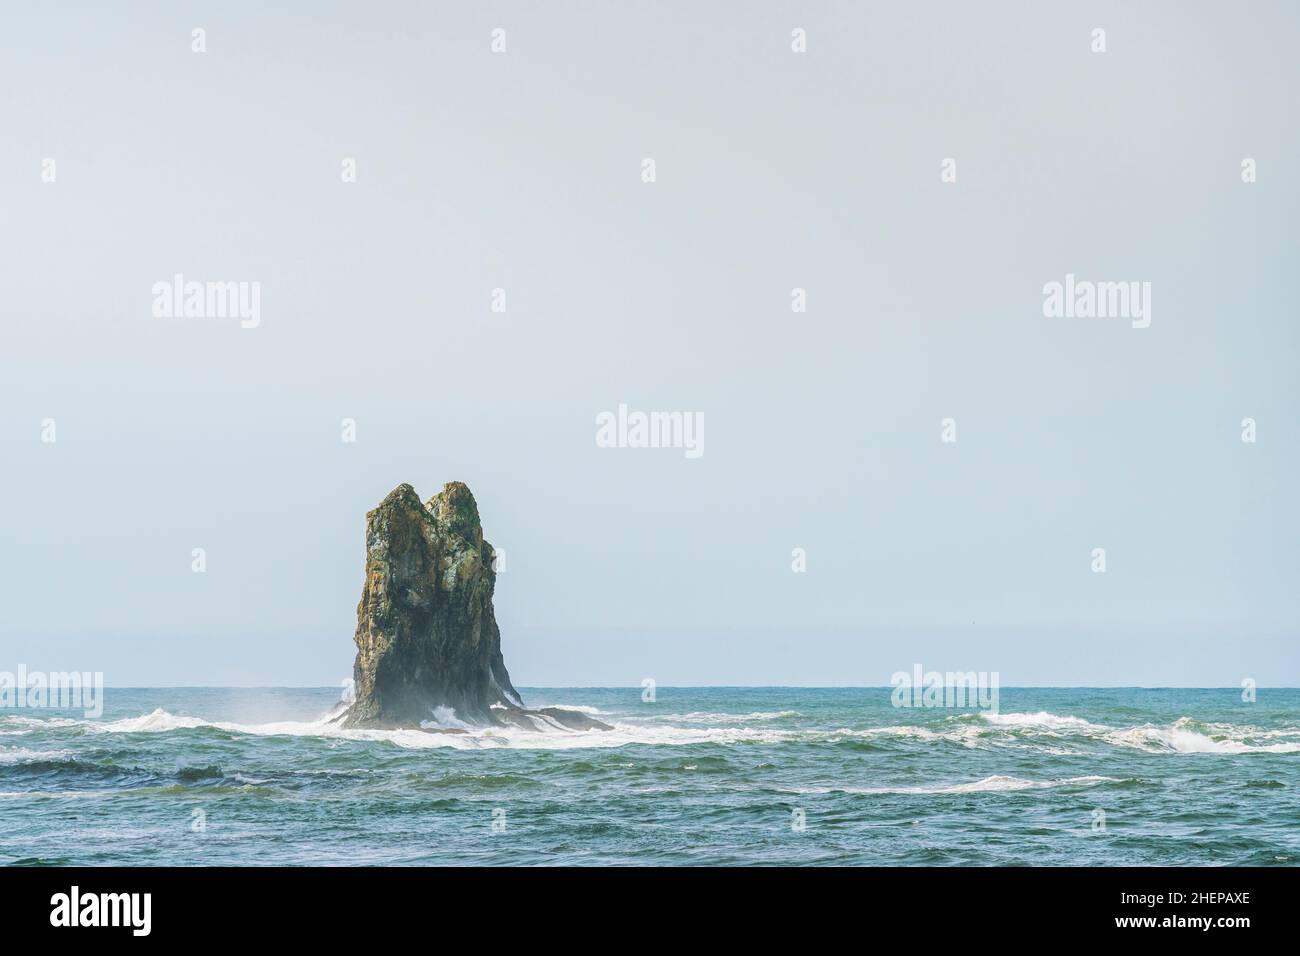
(427, 637)
(426, 634)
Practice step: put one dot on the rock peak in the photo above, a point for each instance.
(456, 511)
(402, 494)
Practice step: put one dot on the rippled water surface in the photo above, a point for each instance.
(700, 776)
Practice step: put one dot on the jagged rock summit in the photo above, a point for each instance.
(428, 645)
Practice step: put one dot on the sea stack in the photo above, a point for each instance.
(428, 646)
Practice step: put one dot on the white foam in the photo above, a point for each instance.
(249, 781)
(157, 721)
(35, 723)
(705, 717)
(983, 731)
(1041, 720)
(1182, 738)
(994, 784)
(19, 755)
(968, 735)
(548, 733)
(444, 718)
(580, 708)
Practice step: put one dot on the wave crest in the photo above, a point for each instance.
(1056, 734)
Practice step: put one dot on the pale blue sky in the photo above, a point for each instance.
(775, 170)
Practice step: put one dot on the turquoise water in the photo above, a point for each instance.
(699, 776)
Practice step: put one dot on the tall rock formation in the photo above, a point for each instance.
(427, 637)
(426, 633)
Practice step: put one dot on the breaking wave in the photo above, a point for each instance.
(1184, 738)
(445, 730)
(1039, 721)
(1046, 732)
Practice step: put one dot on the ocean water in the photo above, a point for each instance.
(730, 776)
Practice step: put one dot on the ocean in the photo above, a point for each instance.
(699, 776)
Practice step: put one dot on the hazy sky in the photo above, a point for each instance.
(523, 170)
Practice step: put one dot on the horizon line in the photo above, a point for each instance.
(638, 687)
